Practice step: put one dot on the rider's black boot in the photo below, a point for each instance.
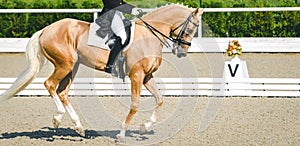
(115, 50)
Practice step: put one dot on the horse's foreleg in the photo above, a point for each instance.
(136, 86)
(150, 85)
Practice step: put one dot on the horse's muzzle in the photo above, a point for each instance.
(179, 51)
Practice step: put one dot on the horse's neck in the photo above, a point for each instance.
(167, 17)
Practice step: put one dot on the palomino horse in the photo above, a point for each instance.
(64, 43)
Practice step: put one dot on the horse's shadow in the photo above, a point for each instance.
(51, 134)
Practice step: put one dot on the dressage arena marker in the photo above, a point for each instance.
(235, 69)
(257, 87)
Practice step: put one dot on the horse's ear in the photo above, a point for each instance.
(198, 12)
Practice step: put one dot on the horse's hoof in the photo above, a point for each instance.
(143, 129)
(56, 122)
(80, 131)
(120, 139)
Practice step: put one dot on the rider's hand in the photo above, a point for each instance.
(137, 12)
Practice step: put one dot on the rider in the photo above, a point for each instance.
(112, 24)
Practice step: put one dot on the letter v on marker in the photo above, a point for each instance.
(235, 70)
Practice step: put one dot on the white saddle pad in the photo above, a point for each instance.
(96, 41)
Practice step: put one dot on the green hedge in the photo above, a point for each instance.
(234, 24)
(252, 24)
(25, 24)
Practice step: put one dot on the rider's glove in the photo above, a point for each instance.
(137, 12)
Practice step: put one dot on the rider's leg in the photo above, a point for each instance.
(118, 28)
(115, 50)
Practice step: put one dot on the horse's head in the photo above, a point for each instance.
(184, 33)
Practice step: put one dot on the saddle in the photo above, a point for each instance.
(101, 36)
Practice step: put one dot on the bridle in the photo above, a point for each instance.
(182, 30)
(176, 40)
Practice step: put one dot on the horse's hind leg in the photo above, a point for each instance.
(150, 85)
(62, 78)
(62, 91)
(51, 84)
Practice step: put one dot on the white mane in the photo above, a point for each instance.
(170, 6)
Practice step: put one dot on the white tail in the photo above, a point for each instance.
(35, 60)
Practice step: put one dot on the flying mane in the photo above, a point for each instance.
(158, 11)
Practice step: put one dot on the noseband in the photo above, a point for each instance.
(178, 39)
(183, 28)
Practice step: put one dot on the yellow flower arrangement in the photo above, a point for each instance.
(234, 48)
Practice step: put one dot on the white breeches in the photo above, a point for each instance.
(118, 27)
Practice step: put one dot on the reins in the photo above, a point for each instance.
(153, 30)
(184, 25)
(174, 40)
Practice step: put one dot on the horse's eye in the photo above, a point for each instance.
(189, 31)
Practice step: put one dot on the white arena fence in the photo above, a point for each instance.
(282, 87)
(257, 87)
(207, 45)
